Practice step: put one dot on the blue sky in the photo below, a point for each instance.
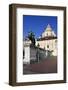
(37, 24)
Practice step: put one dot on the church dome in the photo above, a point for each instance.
(48, 32)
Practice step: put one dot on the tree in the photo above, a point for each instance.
(31, 37)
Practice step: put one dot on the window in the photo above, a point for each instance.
(47, 46)
(47, 34)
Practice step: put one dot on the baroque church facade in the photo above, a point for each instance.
(48, 40)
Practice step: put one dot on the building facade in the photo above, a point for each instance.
(48, 40)
(47, 45)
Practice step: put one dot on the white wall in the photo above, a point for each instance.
(27, 55)
(4, 47)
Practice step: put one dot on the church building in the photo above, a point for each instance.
(47, 45)
(48, 40)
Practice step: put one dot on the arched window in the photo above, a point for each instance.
(47, 46)
(47, 34)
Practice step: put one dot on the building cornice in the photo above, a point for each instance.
(46, 38)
